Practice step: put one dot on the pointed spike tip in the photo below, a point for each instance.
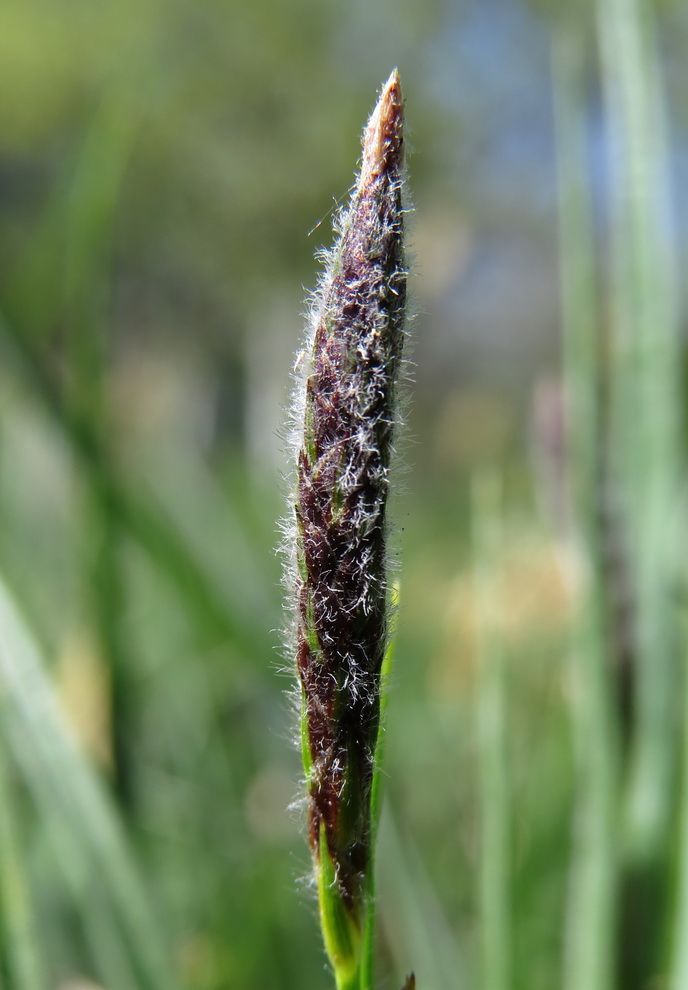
(383, 141)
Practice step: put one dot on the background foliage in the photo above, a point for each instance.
(161, 165)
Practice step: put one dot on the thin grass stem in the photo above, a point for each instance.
(495, 818)
(645, 362)
(646, 412)
(368, 946)
(590, 923)
(18, 933)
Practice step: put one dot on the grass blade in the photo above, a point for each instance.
(56, 772)
(17, 929)
(495, 824)
(646, 414)
(589, 950)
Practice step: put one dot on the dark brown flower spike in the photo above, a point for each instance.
(346, 414)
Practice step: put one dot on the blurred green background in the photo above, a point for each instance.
(161, 166)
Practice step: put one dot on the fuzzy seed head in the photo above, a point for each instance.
(344, 425)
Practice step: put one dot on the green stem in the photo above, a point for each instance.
(368, 947)
(341, 933)
(348, 981)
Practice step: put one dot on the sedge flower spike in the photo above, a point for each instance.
(345, 419)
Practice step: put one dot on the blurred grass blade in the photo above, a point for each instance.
(646, 411)
(495, 819)
(89, 236)
(74, 801)
(589, 949)
(70, 252)
(198, 508)
(414, 923)
(18, 942)
(112, 959)
(145, 521)
(678, 977)
(646, 361)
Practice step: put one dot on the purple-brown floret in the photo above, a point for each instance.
(341, 499)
